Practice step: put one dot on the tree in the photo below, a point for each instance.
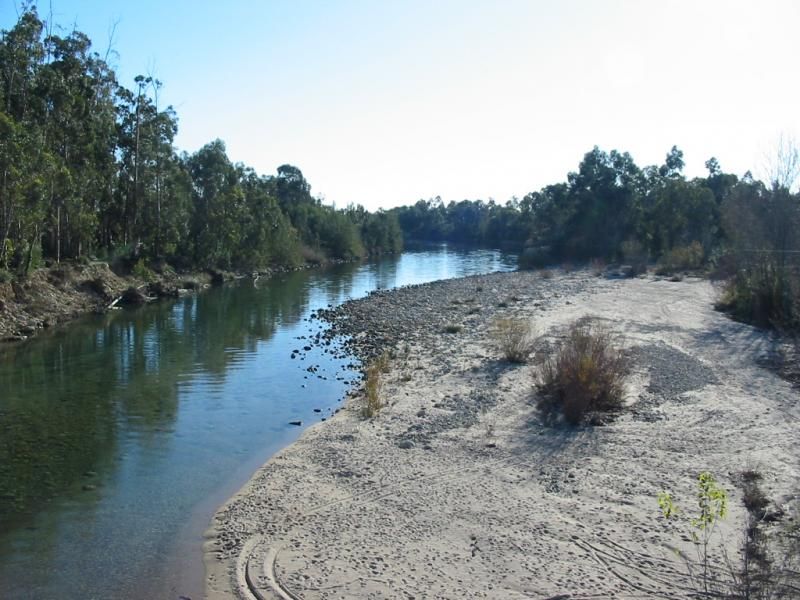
(673, 165)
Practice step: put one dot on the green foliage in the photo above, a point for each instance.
(89, 166)
(584, 378)
(712, 506)
(608, 207)
(142, 271)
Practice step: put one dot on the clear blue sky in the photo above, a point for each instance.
(384, 102)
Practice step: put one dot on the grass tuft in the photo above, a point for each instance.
(373, 385)
(514, 338)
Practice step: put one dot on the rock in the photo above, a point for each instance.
(406, 444)
(316, 410)
(296, 423)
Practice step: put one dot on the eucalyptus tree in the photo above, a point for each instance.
(76, 88)
(21, 55)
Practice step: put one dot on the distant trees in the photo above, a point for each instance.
(88, 166)
(607, 204)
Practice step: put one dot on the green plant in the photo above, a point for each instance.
(712, 503)
(5, 276)
(141, 271)
(452, 328)
(7, 253)
(585, 376)
(514, 337)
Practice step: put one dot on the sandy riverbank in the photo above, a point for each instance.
(457, 489)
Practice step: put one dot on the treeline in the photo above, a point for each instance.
(89, 168)
(743, 230)
(607, 205)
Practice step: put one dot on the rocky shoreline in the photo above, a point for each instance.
(459, 489)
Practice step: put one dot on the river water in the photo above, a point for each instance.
(121, 434)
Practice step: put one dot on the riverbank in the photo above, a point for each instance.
(56, 295)
(459, 489)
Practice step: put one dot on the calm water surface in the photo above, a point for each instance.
(120, 435)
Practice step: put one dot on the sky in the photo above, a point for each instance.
(384, 102)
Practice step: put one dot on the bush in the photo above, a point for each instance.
(5, 276)
(514, 338)
(141, 271)
(535, 257)
(635, 255)
(585, 376)
(452, 328)
(764, 294)
(681, 258)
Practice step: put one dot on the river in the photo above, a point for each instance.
(121, 434)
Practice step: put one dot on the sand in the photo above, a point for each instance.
(459, 489)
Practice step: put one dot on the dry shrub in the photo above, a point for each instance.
(585, 376)
(382, 362)
(681, 258)
(373, 385)
(452, 328)
(515, 338)
(597, 266)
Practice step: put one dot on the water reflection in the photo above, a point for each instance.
(113, 430)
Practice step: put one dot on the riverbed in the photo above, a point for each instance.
(121, 434)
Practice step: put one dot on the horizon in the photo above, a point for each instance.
(383, 105)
